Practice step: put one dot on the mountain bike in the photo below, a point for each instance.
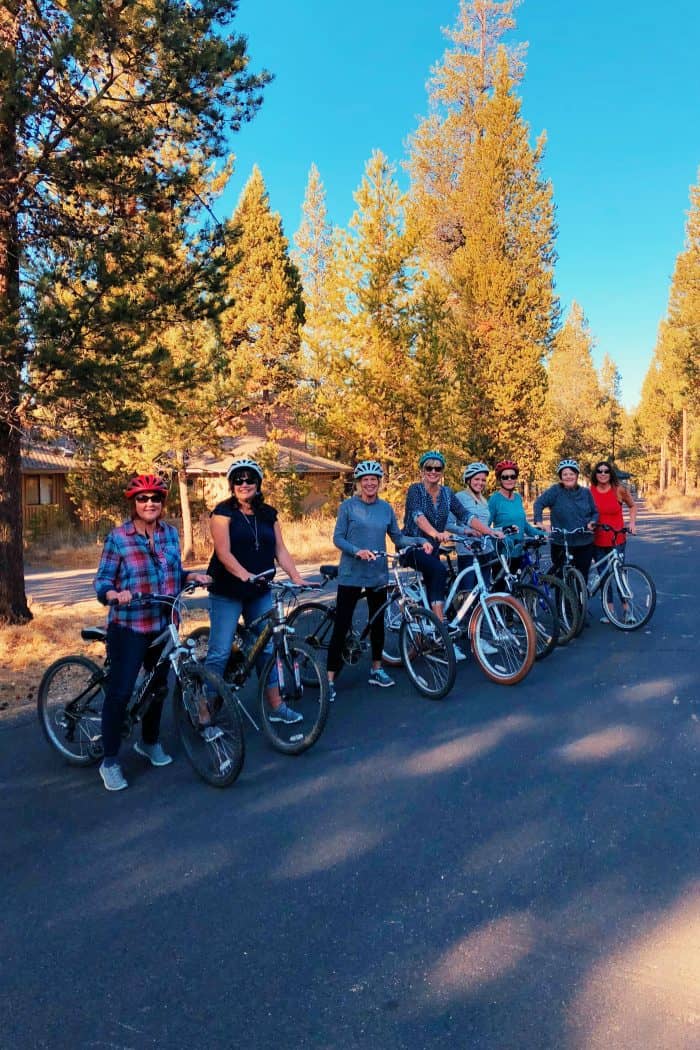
(627, 592)
(413, 634)
(72, 691)
(292, 667)
(539, 605)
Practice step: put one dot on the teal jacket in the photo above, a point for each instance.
(505, 512)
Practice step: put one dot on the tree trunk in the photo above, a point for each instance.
(13, 601)
(684, 455)
(663, 465)
(187, 533)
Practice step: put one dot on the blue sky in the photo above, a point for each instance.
(614, 85)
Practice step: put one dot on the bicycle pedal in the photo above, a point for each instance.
(225, 766)
(212, 733)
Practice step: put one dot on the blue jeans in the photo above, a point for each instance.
(224, 614)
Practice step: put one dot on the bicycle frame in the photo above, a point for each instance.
(611, 563)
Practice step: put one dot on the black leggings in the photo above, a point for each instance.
(582, 557)
(346, 600)
(127, 651)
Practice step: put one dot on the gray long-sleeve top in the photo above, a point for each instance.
(568, 509)
(365, 526)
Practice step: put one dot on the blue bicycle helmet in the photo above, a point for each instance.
(368, 468)
(472, 469)
(570, 463)
(431, 455)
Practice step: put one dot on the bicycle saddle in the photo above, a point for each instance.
(329, 571)
(94, 634)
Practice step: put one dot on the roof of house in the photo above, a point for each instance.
(47, 459)
(288, 458)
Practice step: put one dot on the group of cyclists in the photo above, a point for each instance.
(143, 556)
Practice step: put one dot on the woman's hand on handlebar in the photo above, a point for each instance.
(118, 597)
(366, 555)
(201, 578)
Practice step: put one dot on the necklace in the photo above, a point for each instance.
(253, 528)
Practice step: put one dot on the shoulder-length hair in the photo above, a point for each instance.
(614, 480)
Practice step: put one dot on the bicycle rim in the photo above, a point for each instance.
(505, 647)
(427, 653)
(629, 599)
(282, 678)
(218, 760)
(69, 705)
(544, 618)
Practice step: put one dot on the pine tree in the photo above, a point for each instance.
(574, 394)
(111, 124)
(260, 328)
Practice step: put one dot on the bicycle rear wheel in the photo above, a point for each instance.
(505, 647)
(69, 705)
(427, 652)
(313, 626)
(544, 617)
(629, 601)
(391, 653)
(565, 604)
(283, 672)
(219, 758)
(575, 581)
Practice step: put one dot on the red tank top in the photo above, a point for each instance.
(609, 513)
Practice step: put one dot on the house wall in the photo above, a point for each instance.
(45, 502)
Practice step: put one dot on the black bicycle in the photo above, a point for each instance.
(292, 673)
(72, 691)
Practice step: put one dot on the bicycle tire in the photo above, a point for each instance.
(313, 624)
(391, 653)
(512, 642)
(69, 705)
(544, 617)
(427, 652)
(634, 610)
(218, 761)
(311, 701)
(576, 582)
(566, 606)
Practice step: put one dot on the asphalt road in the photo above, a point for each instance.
(507, 868)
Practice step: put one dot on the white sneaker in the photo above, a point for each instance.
(488, 649)
(459, 653)
(112, 777)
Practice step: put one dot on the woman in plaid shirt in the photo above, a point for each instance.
(142, 555)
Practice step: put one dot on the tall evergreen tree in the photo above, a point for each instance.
(574, 394)
(111, 119)
(260, 328)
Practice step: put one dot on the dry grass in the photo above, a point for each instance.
(674, 503)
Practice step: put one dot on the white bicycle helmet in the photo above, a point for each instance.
(368, 468)
(472, 469)
(570, 463)
(244, 464)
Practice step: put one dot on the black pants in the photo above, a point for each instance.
(346, 600)
(582, 557)
(127, 651)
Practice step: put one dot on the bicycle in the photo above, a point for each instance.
(539, 606)
(627, 592)
(292, 667)
(561, 596)
(573, 577)
(414, 636)
(72, 691)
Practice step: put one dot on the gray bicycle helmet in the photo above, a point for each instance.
(570, 463)
(368, 468)
(472, 469)
(244, 464)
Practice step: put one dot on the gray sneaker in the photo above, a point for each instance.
(153, 752)
(331, 692)
(112, 777)
(285, 714)
(378, 676)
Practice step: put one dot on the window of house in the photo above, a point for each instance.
(39, 489)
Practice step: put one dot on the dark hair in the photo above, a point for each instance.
(614, 480)
(262, 509)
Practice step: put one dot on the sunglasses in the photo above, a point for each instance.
(150, 497)
(602, 470)
(433, 469)
(244, 479)
(509, 477)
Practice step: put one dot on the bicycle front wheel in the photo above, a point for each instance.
(427, 652)
(391, 653)
(69, 704)
(313, 626)
(503, 642)
(629, 597)
(575, 581)
(544, 617)
(217, 754)
(299, 723)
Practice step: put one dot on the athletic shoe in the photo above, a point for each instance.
(153, 752)
(112, 777)
(331, 691)
(285, 714)
(604, 619)
(460, 654)
(378, 676)
(488, 649)
(211, 733)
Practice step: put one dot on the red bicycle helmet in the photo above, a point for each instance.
(145, 483)
(505, 464)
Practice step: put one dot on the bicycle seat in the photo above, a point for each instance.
(94, 634)
(329, 571)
